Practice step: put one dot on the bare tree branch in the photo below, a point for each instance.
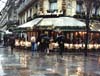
(89, 5)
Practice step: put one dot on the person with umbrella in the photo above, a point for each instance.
(12, 42)
(40, 41)
(46, 43)
(43, 39)
(61, 39)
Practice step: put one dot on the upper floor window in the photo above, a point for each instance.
(30, 12)
(53, 4)
(79, 7)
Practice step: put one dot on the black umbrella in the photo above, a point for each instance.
(46, 38)
(40, 37)
(43, 35)
(60, 38)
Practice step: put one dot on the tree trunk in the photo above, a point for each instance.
(87, 33)
(96, 11)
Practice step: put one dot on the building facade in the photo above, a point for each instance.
(4, 18)
(9, 17)
(28, 9)
(25, 11)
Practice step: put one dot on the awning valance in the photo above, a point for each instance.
(30, 24)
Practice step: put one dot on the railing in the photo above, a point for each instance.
(27, 2)
(51, 12)
(23, 5)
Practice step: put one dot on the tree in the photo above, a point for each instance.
(96, 6)
(89, 6)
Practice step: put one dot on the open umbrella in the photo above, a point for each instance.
(41, 37)
(60, 38)
(46, 38)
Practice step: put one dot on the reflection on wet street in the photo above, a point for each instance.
(21, 63)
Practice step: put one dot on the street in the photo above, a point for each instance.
(21, 63)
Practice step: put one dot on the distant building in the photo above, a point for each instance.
(9, 17)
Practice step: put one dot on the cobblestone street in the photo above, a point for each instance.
(21, 63)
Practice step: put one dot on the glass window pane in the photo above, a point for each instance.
(53, 6)
(78, 8)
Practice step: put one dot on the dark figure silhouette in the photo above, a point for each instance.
(5, 39)
(44, 42)
(61, 39)
(12, 43)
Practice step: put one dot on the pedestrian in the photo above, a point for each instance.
(61, 39)
(40, 40)
(33, 45)
(46, 43)
(5, 40)
(51, 47)
(12, 43)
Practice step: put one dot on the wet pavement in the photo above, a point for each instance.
(21, 63)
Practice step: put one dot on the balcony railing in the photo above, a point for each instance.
(12, 22)
(27, 2)
(52, 11)
(24, 5)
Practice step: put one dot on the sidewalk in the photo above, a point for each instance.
(22, 63)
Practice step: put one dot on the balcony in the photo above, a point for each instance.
(24, 5)
(52, 11)
(27, 2)
(12, 22)
(8, 8)
(29, 19)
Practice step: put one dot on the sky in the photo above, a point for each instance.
(2, 4)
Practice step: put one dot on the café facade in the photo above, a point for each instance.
(73, 29)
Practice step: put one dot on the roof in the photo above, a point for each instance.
(60, 22)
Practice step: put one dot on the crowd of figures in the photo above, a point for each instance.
(44, 43)
(9, 40)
